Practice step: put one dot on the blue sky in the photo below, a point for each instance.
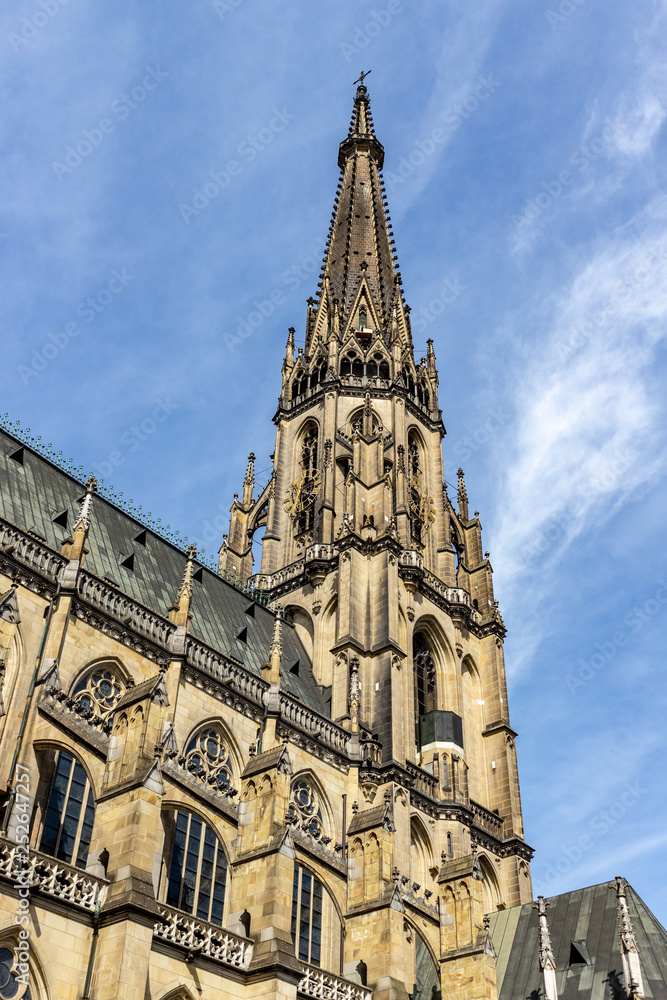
(531, 234)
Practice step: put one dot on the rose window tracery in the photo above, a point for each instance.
(99, 692)
(306, 811)
(207, 757)
(10, 983)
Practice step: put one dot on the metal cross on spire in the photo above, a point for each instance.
(362, 77)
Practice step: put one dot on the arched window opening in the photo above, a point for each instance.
(449, 845)
(363, 318)
(424, 681)
(383, 369)
(98, 692)
(299, 384)
(12, 980)
(425, 675)
(207, 757)
(305, 515)
(197, 868)
(70, 813)
(316, 926)
(427, 980)
(415, 486)
(423, 869)
(358, 368)
(305, 809)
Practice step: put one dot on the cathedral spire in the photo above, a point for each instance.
(359, 272)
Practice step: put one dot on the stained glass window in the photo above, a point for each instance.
(99, 692)
(207, 756)
(307, 900)
(306, 808)
(70, 813)
(9, 984)
(197, 869)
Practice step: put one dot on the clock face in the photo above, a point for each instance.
(420, 503)
(302, 493)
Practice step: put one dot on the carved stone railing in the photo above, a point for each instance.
(411, 559)
(235, 676)
(294, 713)
(31, 552)
(201, 937)
(41, 873)
(422, 781)
(487, 820)
(320, 552)
(270, 581)
(326, 986)
(454, 595)
(104, 596)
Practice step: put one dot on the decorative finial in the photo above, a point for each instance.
(634, 983)
(249, 481)
(362, 77)
(462, 497)
(83, 520)
(547, 960)
(179, 613)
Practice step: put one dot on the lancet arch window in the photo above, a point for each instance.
(363, 318)
(425, 683)
(305, 808)
(99, 691)
(196, 867)
(309, 487)
(70, 812)
(307, 906)
(207, 756)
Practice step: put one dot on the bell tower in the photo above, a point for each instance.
(383, 573)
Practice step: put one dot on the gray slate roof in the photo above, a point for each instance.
(32, 494)
(587, 918)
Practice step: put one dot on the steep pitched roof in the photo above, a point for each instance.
(584, 935)
(35, 495)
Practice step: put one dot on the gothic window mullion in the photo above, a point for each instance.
(70, 813)
(198, 870)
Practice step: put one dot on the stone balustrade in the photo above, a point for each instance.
(202, 937)
(325, 731)
(41, 873)
(234, 675)
(487, 820)
(107, 598)
(326, 986)
(31, 552)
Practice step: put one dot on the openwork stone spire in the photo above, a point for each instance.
(360, 254)
(547, 960)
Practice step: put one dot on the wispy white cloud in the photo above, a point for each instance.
(586, 410)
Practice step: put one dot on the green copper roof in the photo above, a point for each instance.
(584, 936)
(39, 497)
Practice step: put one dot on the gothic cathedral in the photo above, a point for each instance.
(291, 780)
